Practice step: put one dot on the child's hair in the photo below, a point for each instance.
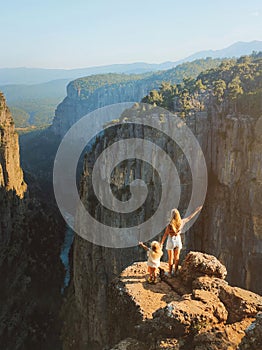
(156, 248)
(175, 220)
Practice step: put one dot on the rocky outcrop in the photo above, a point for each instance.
(227, 228)
(12, 185)
(29, 245)
(11, 174)
(159, 316)
(201, 264)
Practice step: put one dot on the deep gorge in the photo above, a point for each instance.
(229, 226)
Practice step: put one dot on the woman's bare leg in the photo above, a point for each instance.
(170, 260)
(176, 258)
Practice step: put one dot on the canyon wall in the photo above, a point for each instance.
(29, 244)
(12, 185)
(76, 106)
(89, 93)
(229, 226)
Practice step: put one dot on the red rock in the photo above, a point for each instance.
(240, 303)
(198, 264)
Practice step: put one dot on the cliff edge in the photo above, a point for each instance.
(11, 174)
(197, 309)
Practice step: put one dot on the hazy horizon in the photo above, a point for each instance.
(70, 35)
(122, 63)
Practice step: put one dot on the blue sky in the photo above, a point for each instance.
(81, 33)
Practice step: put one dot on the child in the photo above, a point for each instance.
(153, 262)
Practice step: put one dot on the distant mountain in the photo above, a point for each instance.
(40, 75)
(238, 49)
(52, 89)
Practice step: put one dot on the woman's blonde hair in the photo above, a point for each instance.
(175, 220)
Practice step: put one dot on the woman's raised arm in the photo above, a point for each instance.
(185, 220)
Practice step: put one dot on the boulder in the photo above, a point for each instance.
(179, 318)
(211, 284)
(221, 337)
(240, 303)
(212, 304)
(198, 264)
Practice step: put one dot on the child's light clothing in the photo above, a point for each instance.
(153, 258)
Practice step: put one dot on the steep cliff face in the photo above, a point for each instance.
(87, 94)
(29, 245)
(11, 174)
(231, 222)
(12, 185)
(76, 106)
(227, 228)
(13, 208)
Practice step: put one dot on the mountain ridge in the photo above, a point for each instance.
(25, 75)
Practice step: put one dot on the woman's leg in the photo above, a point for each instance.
(176, 258)
(170, 260)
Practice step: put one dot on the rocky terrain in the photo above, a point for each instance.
(197, 309)
(29, 244)
(89, 93)
(228, 222)
(12, 185)
(11, 175)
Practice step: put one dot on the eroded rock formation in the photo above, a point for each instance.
(11, 174)
(228, 227)
(206, 313)
(29, 245)
(12, 185)
(231, 145)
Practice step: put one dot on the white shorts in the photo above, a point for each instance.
(173, 242)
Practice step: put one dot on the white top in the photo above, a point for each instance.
(153, 258)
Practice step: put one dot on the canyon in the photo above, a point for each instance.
(32, 230)
(229, 221)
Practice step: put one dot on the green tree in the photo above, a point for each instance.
(219, 87)
(234, 90)
(154, 98)
(185, 101)
(199, 86)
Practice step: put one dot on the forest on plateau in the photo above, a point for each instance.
(235, 86)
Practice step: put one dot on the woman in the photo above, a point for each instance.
(174, 243)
